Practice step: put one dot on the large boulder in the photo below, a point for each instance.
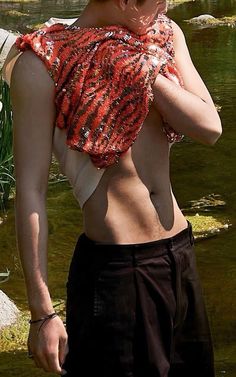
(8, 311)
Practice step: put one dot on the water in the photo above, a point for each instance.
(211, 169)
(197, 170)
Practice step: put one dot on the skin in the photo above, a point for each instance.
(134, 201)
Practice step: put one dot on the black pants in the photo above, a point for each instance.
(137, 311)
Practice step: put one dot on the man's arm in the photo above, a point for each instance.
(191, 110)
(32, 95)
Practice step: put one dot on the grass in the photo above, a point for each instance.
(6, 158)
(13, 344)
(4, 276)
(14, 337)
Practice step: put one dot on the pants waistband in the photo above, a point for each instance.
(140, 250)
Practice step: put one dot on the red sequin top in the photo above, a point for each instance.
(103, 82)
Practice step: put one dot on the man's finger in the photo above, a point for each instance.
(41, 361)
(53, 362)
(63, 350)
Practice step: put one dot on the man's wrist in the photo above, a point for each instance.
(40, 305)
(40, 311)
(43, 319)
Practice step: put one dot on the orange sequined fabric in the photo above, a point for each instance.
(103, 82)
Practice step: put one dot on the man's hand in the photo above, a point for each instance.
(47, 343)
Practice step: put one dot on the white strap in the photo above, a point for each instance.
(6, 41)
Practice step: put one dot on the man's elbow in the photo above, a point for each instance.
(213, 132)
(213, 138)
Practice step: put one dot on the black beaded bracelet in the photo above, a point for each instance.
(43, 319)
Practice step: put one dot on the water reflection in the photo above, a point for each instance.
(212, 170)
(34, 12)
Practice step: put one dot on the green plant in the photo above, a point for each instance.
(4, 276)
(6, 158)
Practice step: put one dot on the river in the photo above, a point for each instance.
(197, 170)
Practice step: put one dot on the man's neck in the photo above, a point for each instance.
(100, 14)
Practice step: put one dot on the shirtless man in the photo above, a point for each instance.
(132, 204)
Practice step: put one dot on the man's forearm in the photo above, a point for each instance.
(186, 112)
(32, 237)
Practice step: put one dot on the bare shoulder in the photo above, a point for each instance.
(178, 37)
(191, 78)
(30, 71)
(176, 28)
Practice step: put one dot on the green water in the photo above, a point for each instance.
(197, 171)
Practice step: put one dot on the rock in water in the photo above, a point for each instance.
(203, 19)
(8, 310)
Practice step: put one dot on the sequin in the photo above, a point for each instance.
(103, 82)
(37, 45)
(155, 62)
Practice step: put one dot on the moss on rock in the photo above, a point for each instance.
(206, 226)
(208, 20)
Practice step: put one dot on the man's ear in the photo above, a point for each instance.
(122, 4)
